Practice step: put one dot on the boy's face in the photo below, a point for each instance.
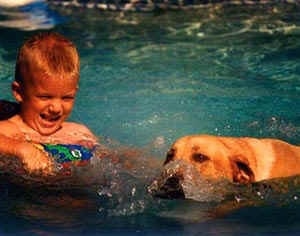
(46, 102)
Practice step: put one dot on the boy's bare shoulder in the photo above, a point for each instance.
(9, 128)
(78, 131)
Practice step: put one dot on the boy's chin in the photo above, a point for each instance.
(46, 131)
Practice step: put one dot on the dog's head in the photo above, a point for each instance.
(214, 158)
(199, 167)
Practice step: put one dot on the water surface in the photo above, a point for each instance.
(149, 78)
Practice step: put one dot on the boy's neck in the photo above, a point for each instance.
(29, 133)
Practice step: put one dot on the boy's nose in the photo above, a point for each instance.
(55, 106)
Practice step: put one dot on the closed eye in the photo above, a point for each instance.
(44, 97)
(198, 157)
(68, 98)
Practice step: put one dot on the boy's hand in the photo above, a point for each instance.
(34, 160)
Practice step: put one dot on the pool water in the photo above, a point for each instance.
(149, 78)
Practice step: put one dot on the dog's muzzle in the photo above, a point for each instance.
(167, 188)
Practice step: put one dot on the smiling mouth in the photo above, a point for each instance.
(50, 118)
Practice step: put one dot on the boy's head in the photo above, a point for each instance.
(46, 81)
(47, 53)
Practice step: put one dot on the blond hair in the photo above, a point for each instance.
(48, 53)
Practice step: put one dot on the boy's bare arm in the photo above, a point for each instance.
(13, 144)
(32, 159)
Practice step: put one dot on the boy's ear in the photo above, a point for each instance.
(17, 91)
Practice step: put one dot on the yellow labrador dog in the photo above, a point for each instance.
(240, 160)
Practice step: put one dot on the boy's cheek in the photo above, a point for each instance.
(68, 108)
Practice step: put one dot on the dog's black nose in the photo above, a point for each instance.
(169, 189)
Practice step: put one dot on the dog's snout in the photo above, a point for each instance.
(170, 189)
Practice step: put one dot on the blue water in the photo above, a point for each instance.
(149, 78)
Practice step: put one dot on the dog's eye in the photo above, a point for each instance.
(198, 157)
(170, 156)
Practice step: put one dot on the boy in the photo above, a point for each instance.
(46, 82)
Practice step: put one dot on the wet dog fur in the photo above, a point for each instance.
(240, 160)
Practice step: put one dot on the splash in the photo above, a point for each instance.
(113, 184)
(217, 198)
(194, 187)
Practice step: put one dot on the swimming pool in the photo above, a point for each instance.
(149, 78)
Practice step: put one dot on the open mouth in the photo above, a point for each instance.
(51, 119)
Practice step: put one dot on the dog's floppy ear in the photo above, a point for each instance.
(241, 170)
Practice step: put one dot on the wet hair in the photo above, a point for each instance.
(48, 53)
